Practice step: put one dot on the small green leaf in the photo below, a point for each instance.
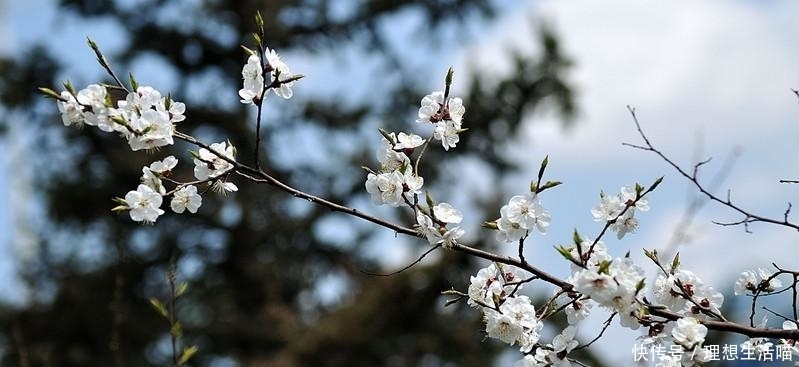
(656, 183)
(176, 330)
(182, 287)
(641, 284)
(259, 20)
(120, 208)
(543, 167)
(490, 225)
(387, 135)
(232, 147)
(120, 120)
(448, 78)
(576, 238)
(250, 52)
(92, 44)
(159, 307)
(68, 86)
(49, 93)
(168, 101)
(604, 267)
(675, 263)
(187, 353)
(429, 199)
(134, 85)
(652, 255)
(565, 252)
(549, 185)
(638, 189)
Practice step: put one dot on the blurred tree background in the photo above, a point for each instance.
(260, 264)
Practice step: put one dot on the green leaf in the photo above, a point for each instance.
(133, 83)
(641, 284)
(187, 353)
(429, 199)
(565, 252)
(387, 135)
(259, 20)
(250, 52)
(675, 263)
(604, 267)
(576, 238)
(652, 255)
(68, 86)
(176, 330)
(656, 183)
(49, 93)
(159, 307)
(448, 78)
(181, 289)
(549, 185)
(543, 167)
(120, 208)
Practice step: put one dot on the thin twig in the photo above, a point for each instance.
(750, 217)
(418, 260)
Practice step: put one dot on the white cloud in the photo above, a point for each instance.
(724, 68)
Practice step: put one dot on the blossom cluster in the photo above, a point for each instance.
(144, 118)
(509, 317)
(750, 282)
(446, 114)
(147, 120)
(144, 203)
(397, 182)
(521, 214)
(619, 210)
(278, 77)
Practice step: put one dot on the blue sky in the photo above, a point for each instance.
(706, 78)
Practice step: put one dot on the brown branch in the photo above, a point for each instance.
(259, 176)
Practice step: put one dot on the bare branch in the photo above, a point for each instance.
(749, 217)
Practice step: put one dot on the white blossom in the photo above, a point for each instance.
(746, 283)
(522, 214)
(144, 204)
(209, 165)
(186, 198)
(253, 80)
(514, 323)
(408, 141)
(385, 188)
(447, 132)
(431, 104)
(446, 213)
(71, 111)
(492, 282)
(689, 332)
